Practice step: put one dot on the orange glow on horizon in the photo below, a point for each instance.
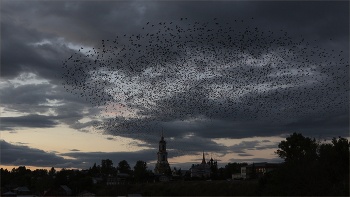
(32, 168)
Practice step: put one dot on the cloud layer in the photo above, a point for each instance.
(211, 70)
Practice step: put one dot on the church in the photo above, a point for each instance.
(162, 166)
(196, 170)
(203, 169)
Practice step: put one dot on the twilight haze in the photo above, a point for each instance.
(84, 81)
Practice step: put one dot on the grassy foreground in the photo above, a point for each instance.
(182, 188)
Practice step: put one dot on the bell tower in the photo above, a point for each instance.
(162, 165)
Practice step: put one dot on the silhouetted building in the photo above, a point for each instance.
(86, 193)
(21, 191)
(212, 162)
(260, 169)
(164, 178)
(236, 175)
(9, 194)
(62, 190)
(162, 166)
(112, 180)
(200, 170)
(133, 195)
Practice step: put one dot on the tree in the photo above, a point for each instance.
(310, 168)
(140, 170)
(214, 172)
(221, 173)
(40, 172)
(21, 175)
(94, 170)
(334, 158)
(178, 172)
(106, 166)
(52, 172)
(6, 177)
(298, 148)
(124, 167)
(61, 177)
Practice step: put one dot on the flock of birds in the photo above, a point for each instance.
(203, 71)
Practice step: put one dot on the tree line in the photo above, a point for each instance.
(310, 167)
(40, 180)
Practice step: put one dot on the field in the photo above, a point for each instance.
(182, 188)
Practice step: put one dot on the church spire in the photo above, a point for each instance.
(203, 160)
(162, 134)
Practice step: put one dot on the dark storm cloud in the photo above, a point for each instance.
(26, 50)
(31, 95)
(238, 148)
(272, 146)
(43, 98)
(313, 20)
(320, 108)
(31, 121)
(24, 155)
(74, 150)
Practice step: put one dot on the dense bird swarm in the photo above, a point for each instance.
(178, 71)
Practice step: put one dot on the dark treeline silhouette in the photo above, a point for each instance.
(311, 168)
(40, 180)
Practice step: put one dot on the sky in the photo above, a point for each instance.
(83, 81)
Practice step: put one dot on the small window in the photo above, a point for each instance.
(163, 157)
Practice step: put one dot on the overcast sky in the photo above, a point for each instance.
(85, 81)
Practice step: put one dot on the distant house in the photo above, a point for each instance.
(112, 180)
(62, 190)
(9, 194)
(86, 193)
(21, 191)
(134, 195)
(96, 180)
(164, 178)
(200, 170)
(4, 190)
(121, 178)
(123, 175)
(9, 187)
(236, 175)
(260, 169)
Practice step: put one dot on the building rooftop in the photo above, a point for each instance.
(262, 164)
(23, 189)
(66, 188)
